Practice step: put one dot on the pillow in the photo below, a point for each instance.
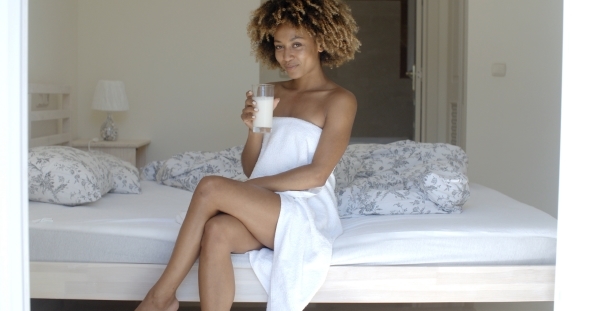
(371, 197)
(185, 170)
(125, 175)
(65, 175)
(404, 177)
(447, 188)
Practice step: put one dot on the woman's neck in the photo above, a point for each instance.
(311, 81)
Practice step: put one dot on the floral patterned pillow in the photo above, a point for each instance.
(125, 175)
(404, 177)
(186, 169)
(67, 176)
(448, 189)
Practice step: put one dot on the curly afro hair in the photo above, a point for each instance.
(330, 22)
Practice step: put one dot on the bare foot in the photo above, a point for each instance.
(152, 303)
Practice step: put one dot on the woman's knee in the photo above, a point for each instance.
(217, 234)
(209, 185)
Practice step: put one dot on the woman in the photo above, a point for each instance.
(227, 216)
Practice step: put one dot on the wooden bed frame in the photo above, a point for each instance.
(344, 284)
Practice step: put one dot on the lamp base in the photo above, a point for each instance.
(108, 130)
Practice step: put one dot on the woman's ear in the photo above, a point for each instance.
(320, 47)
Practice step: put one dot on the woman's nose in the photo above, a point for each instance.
(287, 54)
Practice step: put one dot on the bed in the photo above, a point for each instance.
(496, 250)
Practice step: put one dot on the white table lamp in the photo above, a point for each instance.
(110, 96)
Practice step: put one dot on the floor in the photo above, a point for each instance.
(93, 305)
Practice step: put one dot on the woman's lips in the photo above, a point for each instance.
(290, 67)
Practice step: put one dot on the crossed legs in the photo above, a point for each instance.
(224, 216)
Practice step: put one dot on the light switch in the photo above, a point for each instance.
(499, 69)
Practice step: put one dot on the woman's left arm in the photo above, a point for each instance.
(340, 113)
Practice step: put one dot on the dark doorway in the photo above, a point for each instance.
(377, 75)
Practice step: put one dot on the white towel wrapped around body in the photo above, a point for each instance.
(308, 221)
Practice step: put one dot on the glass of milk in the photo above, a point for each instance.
(263, 95)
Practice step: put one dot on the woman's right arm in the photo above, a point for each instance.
(254, 141)
(251, 152)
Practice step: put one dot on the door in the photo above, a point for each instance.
(416, 71)
(378, 74)
(440, 107)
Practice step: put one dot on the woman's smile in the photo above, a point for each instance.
(289, 67)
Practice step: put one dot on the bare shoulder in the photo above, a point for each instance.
(341, 99)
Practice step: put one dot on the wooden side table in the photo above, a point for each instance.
(130, 150)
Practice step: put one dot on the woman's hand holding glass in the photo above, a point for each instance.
(248, 113)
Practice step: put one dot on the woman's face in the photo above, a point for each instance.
(296, 51)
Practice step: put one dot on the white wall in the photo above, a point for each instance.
(513, 122)
(53, 45)
(186, 66)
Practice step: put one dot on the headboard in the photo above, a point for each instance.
(50, 109)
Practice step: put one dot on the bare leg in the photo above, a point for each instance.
(257, 208)
(224, 234)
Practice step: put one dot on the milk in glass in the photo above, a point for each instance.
(264, 98)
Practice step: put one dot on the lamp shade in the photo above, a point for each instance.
(110, 96)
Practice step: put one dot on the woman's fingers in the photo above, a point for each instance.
(248, 113)
(249, 100)
(249, 110)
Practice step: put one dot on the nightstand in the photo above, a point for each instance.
(130, 150)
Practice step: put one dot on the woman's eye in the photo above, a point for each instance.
(296, 45)
(278, 47)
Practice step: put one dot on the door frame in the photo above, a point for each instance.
(440, 50)
(419, 122)
(14, 219)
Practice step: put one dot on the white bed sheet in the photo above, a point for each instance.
(493, 229)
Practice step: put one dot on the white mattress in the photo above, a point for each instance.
(493, 229)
